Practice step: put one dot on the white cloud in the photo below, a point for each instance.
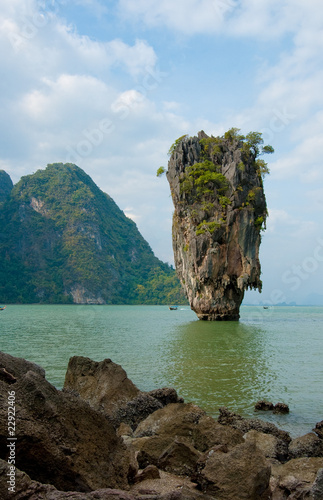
(186, 16)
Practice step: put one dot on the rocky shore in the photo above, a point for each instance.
(103, 438)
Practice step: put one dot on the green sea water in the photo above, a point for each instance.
(274, 354)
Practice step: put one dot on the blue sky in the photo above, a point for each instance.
(109, 85)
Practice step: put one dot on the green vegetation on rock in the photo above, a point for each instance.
(63, 240)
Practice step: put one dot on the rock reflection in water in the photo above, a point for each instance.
(220, 364)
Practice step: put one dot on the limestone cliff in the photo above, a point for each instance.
(6, 185)
(220, 209)
(63, 240)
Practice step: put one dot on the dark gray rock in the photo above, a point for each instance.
(62, 440)
(281, 408)
(264, 406)
(308, 445)
(319, 429)
(165, 396)
(245, 425)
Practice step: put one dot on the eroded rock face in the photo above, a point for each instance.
(61, 439)
(242, 473)
(220, 208)
(104, 385)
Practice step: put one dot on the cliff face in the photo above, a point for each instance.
(64, 240)
(6, 185)
(220, 208)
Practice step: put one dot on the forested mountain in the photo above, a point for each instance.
(63, 240)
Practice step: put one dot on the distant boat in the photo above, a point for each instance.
(2, 308)
(173, 308)
(266, 307)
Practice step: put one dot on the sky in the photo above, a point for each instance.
(109, 85)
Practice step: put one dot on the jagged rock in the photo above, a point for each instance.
(18, 367)
(220, 208)
(267, 443)
(245, 425)
(281, 408)
(170, 420)
(306, 446)
(165, 396)
(317, 488)
(150, 448)
(294, 479)
(319, 429)
(62, 440)
(189, 421)
(136, 410)
(241, 473)
(104, 385)
(264, 406)
(179, 458)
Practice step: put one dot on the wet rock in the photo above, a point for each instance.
(281, 408)
(242, 473)
(264, 406)
(104, 385)
(165, 396)
(319, 429)
(309, 445)
(245, 425)
(60, 436)
(134, 411)
(219, 207)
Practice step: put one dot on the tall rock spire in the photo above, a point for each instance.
(220, 209)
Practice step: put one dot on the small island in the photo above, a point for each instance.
(216, 185)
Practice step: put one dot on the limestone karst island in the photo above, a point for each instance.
(220, 211)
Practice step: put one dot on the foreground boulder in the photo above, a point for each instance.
(106, 387)
(27, 489)
(245, 425)
(191, 422)
(62, 440)
(242, 473)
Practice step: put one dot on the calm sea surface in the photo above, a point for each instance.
(274, 354)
